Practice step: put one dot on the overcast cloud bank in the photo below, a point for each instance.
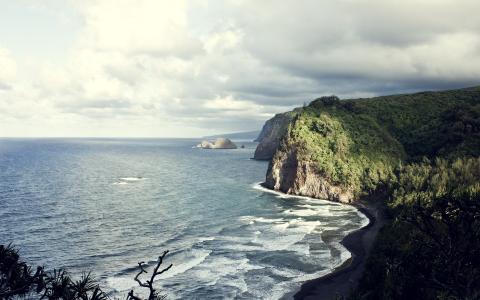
(192, 68)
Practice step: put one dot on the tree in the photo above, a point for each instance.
(153, 293)
(17, 279)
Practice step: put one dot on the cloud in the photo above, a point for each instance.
(387, 42)
(200, 67)
(8, 69)
(228, 104)
(138, 27)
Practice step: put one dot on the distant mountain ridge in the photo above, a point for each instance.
(245, 135)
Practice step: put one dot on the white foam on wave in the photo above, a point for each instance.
(205, 238)
(120, 183)
(120, 283)
(132, 178)
(127, 180)
(312, 207)
(252, 220)
(286, 272)
(340, 210)
(258, 186)
(282, 227)
(218, 268)
(271, 234)
(193, 259)
(286, 242)
(308, 206)
(296, 226)
(300, 225)
(365, 219)
(301, 212)
(274, 234)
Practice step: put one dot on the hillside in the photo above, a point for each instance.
(353, 146)
(415, 155)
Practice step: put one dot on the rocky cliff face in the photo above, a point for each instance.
(286, 172)
(291, 175)
(270, 136)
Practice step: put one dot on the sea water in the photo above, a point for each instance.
(103, 205)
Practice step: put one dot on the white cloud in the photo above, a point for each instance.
(223, 41)
(154, 68)
(156, 27)
(8, 69)
(228, 103)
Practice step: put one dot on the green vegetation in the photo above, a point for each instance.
(350, 150)
(357, 144)
(431, 250)
(419, 153)
(430, 123)
(18, 280)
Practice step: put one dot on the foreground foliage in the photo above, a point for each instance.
(18, 280)
(432, 248)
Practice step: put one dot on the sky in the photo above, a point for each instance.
(154, 68)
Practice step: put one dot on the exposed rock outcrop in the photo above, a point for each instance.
(270, 136)
(288, 174)
(220, 143)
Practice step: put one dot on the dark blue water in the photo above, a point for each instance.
(106, 204)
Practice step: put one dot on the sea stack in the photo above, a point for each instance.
(220, 143)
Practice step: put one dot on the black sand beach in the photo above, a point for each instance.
(345, 278)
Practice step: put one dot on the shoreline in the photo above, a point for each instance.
(344, 278)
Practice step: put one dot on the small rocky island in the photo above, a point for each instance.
(219, 143)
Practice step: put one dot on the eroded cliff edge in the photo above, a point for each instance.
(291, 175)
(271, 134)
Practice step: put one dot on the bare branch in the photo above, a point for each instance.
(149, 283)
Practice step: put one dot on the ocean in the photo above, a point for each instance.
(103, 205)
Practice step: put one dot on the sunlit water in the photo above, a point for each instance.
(106, 204)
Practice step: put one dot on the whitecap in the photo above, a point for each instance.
(187, 261)
(217, 267)
(132, 178)
(120, 283)
(119, 183)
(301, 212)
(205, 239)
(260, 187)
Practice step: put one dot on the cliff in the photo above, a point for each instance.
(269, 137)
(288, 174)
(342, 150)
